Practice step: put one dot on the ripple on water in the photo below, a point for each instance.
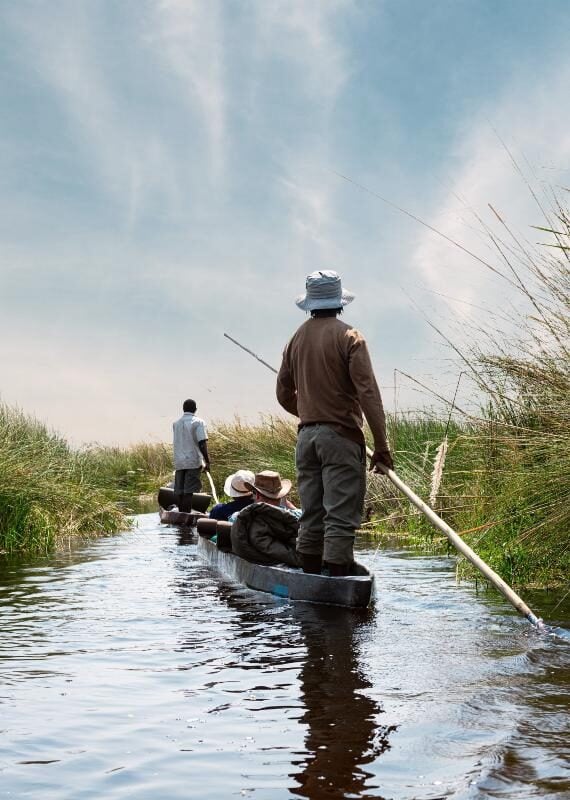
(128, 668)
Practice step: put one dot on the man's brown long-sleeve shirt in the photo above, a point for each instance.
(326, 376)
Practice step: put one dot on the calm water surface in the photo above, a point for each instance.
(130, 669)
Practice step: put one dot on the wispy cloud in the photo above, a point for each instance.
(534, 156)
(311, 212)
(307, 34)
(126, 161)
(302, 46)
(168, 174)
(191, 38)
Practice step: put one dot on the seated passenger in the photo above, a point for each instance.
(234, 487)
(266, 531)
(268, 487)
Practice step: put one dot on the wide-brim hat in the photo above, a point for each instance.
(270, 484)
(235, 484)
(324, 290)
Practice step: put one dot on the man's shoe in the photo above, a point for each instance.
(310, 563)
(336, 570)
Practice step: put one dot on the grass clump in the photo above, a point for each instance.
(506, 484)
(268, 445)
(128, 472)
(524, 372)
(44, 493)
(502, 477)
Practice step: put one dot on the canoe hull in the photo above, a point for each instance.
(199, 502)
(182, 519)
(355, 591)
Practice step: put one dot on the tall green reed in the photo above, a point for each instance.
(44, 493)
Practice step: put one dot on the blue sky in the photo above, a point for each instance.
(170, 172)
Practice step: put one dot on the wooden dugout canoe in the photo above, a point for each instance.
(352, 591)
(166, 498)
(170, 515)
(183, 519)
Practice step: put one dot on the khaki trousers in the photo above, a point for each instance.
(331, 480)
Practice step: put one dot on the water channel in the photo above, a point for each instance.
(130, 669)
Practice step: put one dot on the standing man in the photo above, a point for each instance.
(326, 379)
(190, 455)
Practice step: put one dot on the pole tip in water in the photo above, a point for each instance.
(537, 622)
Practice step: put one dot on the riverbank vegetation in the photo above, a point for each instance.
(45, 491)
(500, 478)
(489, 488)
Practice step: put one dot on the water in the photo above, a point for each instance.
(130, 669)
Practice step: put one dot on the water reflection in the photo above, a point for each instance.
(544, 728)
(186, 536)
(343, 732)
(130, 665)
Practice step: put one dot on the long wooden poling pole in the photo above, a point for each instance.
(212, 487)
(462, 547)
(251, 353)
(508, 593)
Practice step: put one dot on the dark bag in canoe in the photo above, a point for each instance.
(265, 534)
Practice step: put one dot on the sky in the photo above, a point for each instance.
(173, 169)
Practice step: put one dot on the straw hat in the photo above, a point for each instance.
(324, 290)
(235, 485)
(270, 484)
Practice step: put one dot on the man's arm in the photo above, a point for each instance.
(285, 389)
(368, 393)
(203, 445)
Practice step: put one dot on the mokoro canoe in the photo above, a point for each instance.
(353, 591)
(184, 519)
(200, 500)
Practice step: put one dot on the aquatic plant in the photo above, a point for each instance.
(524, 373)
(128, 472)
(502, 481)
(511, 495)
(44, 494)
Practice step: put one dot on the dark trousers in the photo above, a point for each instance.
(331, 480)
(186, 482)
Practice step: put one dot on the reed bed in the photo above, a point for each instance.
(487, 490)
(44, 493)
(128, 472)
(500, 478)
(510, 493)
(524, 373)
(268, 445)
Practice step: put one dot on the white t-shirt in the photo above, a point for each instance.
(188, 431)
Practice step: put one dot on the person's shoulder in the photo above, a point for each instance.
(340, 325)
(299, 332)
(217, 512)
(352, 334)
(244, 513)
(198, 421)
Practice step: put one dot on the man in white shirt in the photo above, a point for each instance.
(190, 442)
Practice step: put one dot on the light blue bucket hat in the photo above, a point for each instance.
(324, 290)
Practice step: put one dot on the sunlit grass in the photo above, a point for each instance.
(517, 452)
(44, 493)
(504, 481)
(524, 373)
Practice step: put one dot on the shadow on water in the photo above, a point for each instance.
(130, 668)
(343, 731)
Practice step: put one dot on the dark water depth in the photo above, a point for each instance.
(130, 669)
